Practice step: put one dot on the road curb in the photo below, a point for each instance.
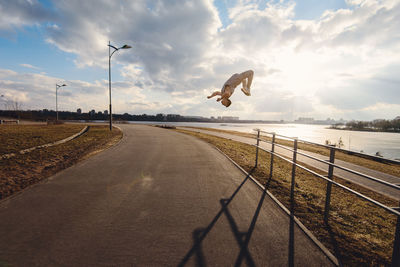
(120, 140)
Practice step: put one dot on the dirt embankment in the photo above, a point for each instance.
(22, 170)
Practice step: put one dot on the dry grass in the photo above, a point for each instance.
(358, 233)
(14, 138)
(371, 164)
(21, 171)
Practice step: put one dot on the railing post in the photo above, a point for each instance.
(396, 245)
(293, 175)
(271, 165)
(329, 184)
(258, 143)
(291, 225)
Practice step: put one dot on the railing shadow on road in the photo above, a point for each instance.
(333, 238)
(242, 238)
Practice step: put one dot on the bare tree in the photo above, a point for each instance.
(16, 105)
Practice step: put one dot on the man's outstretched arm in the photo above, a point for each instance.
(214, 94)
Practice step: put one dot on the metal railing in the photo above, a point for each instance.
(329, 178)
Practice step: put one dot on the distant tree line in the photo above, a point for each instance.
(375, 125)
(46, 115)
(49, 115)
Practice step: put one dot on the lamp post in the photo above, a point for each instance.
(5, 101)
(58, 86)
(2, 96)
(109, 71)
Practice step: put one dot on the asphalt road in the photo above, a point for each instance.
(378, 187)
(158, 198)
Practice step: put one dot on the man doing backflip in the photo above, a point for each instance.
(229, 87)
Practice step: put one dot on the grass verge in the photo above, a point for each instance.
(368, 163)
(358, 233)
(21, 171)
(14, 138)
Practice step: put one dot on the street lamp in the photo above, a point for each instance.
(58, 86)
(109, 71)
(5, 101)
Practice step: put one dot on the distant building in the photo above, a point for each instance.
(79, 111)
(194, 117)
(173, 115)
(92, 112)
(161, 117)
(100, 113)
(230, 118)
(304, 120)
(105, 112)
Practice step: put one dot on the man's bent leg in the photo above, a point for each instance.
(244, 88)
(249, 75)
(246, 82)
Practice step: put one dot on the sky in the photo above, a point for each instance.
(311, 58)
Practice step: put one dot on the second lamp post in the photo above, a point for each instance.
(109, 71)
(58, 86)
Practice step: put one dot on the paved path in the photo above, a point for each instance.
(378, 187)
(159, 198)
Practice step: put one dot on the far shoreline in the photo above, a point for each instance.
(364, 130)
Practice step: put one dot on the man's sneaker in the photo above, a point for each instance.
(246, 91)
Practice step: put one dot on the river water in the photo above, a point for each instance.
(387, 144)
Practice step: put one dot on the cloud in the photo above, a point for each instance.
(19, 13)
(344, 63)
(170, 41)
(282, 102)
(37, 91)
(356, 94)
(29, 66)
